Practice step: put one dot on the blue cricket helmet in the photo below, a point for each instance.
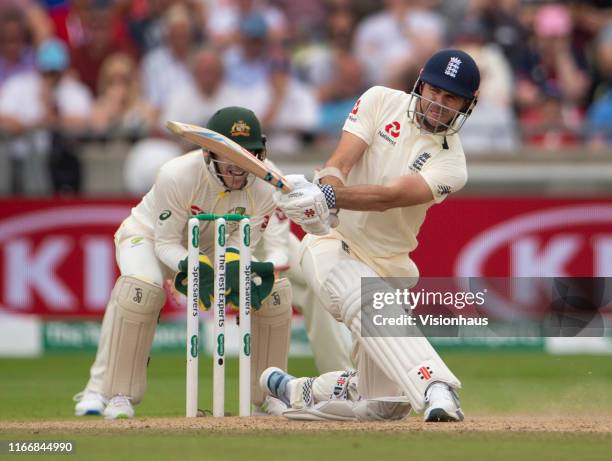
(454, 71)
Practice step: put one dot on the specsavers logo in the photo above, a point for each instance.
(240, 128)
(165, 215)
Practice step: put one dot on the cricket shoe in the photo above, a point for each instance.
(119, 407)
(443, 404)
(89, 403)
(271, 406)
(274, 381)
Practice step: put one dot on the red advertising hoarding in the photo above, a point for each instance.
(57, 256)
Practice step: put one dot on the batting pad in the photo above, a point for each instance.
(137, 305)
(408, 360)
(271, 335)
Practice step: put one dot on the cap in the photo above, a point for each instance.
(552, 21)
(454, 71)
(52, 56)
(240, 125)
(254, 26)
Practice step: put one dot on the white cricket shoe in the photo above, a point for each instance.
(270, 407)
(119, 407)
(443, 404)
(89, 403)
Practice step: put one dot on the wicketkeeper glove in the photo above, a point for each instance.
(262, 279)
(206, 280)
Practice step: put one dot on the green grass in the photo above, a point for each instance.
(324, 446)
(493, 383)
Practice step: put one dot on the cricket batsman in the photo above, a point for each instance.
(151, 247)
(398, 155)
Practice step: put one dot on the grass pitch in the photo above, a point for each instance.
(498, 384)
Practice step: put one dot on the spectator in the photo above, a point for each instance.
(120, 106)
(37, 106)
(400, 36)
(381, 39)
(493, 126)
(145, 20)
(307, 19)
(288, 108)
(246, 63)
(225, 18)
(599, 119)
(315, 61)
(47, 97)
(72, 23)
(98, 42)
(166, 67)
(551, 65)
(551, 69)
(502, 25)
(39, 24)
(338, 97)
(196, 102)
(16, 52)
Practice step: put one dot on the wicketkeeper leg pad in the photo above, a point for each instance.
(270, 335)
(136, 305)
(409, 360)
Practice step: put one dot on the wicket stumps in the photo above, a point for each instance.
(218, 306)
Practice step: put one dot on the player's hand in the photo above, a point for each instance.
(262, 279)
(206, 280)
(305, 205)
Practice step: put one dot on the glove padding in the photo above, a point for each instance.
(206, 281)
(305, 205)
(262, 280)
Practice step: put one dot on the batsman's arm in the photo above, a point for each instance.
(348, 152)
(401, 192)
(404, 191)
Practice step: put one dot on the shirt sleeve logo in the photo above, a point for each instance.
(356, 107)
(417, 165)
(165, 215)
(393, 129)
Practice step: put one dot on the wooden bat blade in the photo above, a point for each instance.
(217, 143)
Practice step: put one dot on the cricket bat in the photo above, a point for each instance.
(217, 143)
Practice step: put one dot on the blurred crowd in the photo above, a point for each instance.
(73, 71)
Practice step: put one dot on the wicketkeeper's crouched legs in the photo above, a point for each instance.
(137, 306)
(336, 277)
(270, 335)
(140, 269)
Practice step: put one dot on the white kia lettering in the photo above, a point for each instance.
(28, 272)
(98, 253)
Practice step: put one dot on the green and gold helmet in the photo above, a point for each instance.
(241, 126)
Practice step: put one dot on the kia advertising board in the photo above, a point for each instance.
(57, 258)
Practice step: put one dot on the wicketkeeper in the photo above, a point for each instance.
(151, 247)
